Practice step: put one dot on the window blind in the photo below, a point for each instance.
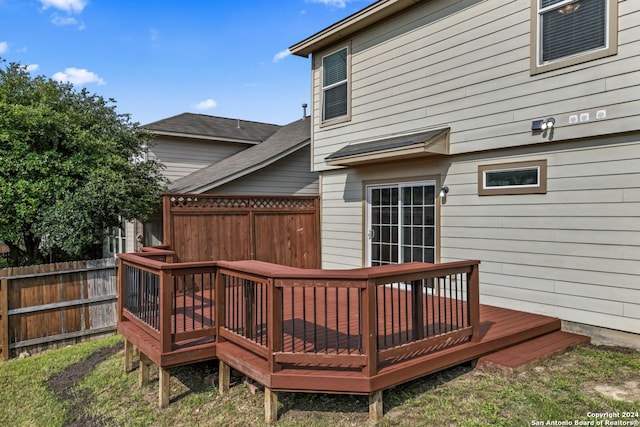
(571, 30)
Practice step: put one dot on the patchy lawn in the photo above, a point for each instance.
(84, 385)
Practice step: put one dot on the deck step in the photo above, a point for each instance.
(511, 359)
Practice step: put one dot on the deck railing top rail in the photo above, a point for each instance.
(145, 259)
(379, 274)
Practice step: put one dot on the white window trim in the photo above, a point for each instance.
(610, 48)
(347, 116)
(400, 185)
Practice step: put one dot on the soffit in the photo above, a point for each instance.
(340, 30)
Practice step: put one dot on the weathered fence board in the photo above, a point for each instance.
(46, 304)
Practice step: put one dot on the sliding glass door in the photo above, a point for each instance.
(401, 223)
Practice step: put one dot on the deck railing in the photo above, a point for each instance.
(172, 302)
(353, 319)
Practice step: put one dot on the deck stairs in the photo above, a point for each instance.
(515, 358)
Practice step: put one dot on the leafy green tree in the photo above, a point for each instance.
(70, 168)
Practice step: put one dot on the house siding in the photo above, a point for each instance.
(466, 65)
(288, 176)
(573, 252)
(182, 156)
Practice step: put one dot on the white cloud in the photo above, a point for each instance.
(70, 6)
(78, 76)
(207, 104)
(62, 21)
(332, 3)
(4, 47)
(281, 55)
(32, 67)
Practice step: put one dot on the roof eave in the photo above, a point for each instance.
(203, 137)
(358, 21)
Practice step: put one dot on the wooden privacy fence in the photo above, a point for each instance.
(282, 230)
(46, 304)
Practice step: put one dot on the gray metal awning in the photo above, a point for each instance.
(432, 142)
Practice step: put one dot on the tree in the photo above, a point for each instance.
(70, 168)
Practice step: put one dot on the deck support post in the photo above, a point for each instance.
(164, 387)
(375, 406)
(143, 370)
(270, 405)
(128, 356)
(224, 378)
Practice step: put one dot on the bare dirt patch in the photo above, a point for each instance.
(629, 391)
(63, 385)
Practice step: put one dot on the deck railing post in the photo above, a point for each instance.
(166, 310)
(369, 328)
(219, 304)
(274, 323)
(474, 301)
(417, 309)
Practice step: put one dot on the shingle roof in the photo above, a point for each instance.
(386, 144)
(211, 127)
(288, 139)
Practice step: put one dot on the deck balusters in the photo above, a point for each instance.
(304, 318)
(326, 324)
(315, 321)
(142, 296)
(176, 287)
(348, 321)
(337, 328)
(435, 295)
(408, 313)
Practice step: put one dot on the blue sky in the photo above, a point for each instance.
(165, 57)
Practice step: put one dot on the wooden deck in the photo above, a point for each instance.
(500, 328)
(299, 330)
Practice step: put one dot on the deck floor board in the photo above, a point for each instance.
(500, 328)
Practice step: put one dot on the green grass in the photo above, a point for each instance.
(25, 399)
(561, 388)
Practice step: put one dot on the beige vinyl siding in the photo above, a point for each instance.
(465, 65)
(288, 176)
(341, 215)
(182, 156)
(573, 253)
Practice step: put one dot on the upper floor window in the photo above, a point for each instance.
(573, 31)
(335, 85)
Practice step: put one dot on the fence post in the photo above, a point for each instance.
(369, 328)
(4, 313)
(121, 289)
(167, 225)
(474, 301)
